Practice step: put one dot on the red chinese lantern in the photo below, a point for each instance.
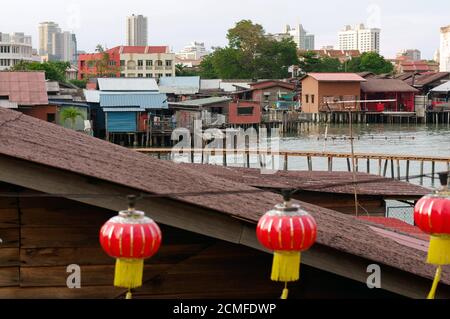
(130, 237)
(286, 230)
(432, 215)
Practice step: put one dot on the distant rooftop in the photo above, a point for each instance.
(24, 88)
(202, 102)
(337, 77)
(128, 84)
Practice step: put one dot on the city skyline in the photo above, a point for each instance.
(415, 27)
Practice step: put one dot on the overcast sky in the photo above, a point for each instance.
(404, 23)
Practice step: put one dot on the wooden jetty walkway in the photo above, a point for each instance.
(384, 161)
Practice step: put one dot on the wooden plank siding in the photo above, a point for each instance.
(9, 245)
(55, 233)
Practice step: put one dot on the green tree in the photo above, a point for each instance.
(99, 48)
(246, 36)
(104, 67)
(71, 114)
(370, 62)
(54, 71)
(207, 70)
(182, 70)
(79, 83)
(250, 54)
(311, 62)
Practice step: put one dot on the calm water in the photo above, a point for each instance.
(431, 140)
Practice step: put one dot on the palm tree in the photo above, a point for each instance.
(99, 48)
(71, 113)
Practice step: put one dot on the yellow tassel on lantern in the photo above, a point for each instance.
(129, 273)
(439, 251)
(286, 266)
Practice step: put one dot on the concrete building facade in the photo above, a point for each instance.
(359, 38)
(303, 39)
(194, 51)
(137, 30)
(444, 51)
(129, 62)
(14, 48)
(55, 44)
(411, 54)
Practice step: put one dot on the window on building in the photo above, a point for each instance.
(149, 63)
(140, 62)
(148, 75)
(122, 75)
(245, 110)
(51, 117)
(168, 62)
(112, 63)
(312, 98)
(159, 63)
(168, 74)
(122, 62)
(307, 98)
(140, 75)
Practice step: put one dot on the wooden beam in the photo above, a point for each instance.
(199, 220)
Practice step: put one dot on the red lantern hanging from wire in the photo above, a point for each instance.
(130, 237)
(286, 230)
(432, 215)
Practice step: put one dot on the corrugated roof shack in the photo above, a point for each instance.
(209, 245)
(401, 95)
(328, 92)
(212, 111)
(123, 107)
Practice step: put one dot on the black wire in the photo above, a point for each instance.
(293, 190)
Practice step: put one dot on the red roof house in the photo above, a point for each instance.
(23, 88)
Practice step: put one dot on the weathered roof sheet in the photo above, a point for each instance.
(24, 88)
(37, 141)
(202, 102)
(128, 84)
(428, 78)
(179, 84)
(92, 96)
(337, 77)
(318, 181)
(123, 109)
(52, 86)
(386, 85)
(141, 100)
(443, 88)
(261, 85)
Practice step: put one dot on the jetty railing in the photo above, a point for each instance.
(364, 161)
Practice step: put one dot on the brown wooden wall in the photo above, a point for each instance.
(345, 203)
(42, 236)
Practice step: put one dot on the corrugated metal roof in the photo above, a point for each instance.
(123, 109)
(52, 86)
(443, 88)
(92, 96)
(210, 84)
(128, 84)
(141, 100)
(203, 102)
(179, 84)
